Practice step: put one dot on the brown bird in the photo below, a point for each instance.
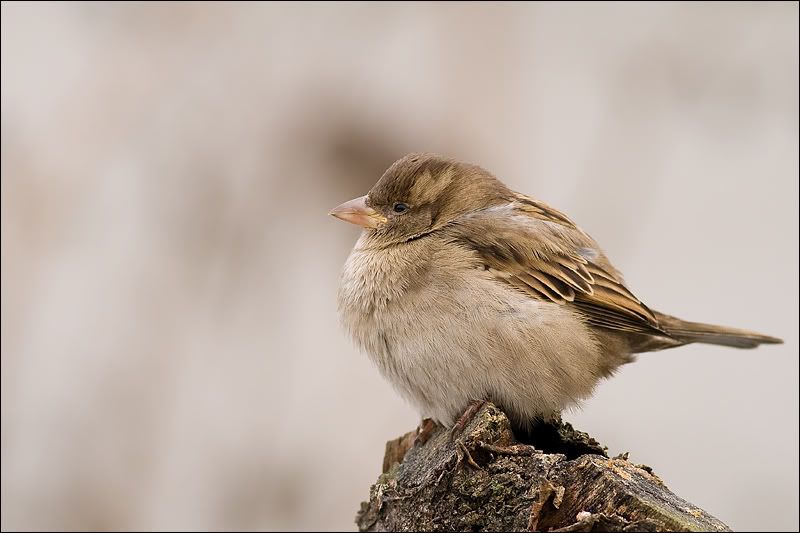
(462, 290)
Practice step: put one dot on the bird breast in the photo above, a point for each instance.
(444, 332)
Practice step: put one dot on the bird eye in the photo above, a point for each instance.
(400, 207)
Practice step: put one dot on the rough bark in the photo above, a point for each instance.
(481, 479)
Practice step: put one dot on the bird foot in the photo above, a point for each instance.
(462, 453)
(472, 410)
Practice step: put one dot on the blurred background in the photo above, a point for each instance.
(171, 353)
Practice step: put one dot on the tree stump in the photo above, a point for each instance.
(482, 479)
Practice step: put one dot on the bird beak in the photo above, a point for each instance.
(356, 212)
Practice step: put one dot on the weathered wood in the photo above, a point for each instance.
(484, 480)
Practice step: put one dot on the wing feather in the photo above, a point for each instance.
(542, 253)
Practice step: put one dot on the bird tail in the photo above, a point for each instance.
(687, 332)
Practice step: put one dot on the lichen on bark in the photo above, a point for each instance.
(483, 479)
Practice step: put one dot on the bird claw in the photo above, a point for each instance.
(462, 453)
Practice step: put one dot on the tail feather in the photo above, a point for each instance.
(688, 332)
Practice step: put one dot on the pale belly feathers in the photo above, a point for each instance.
(443, 338)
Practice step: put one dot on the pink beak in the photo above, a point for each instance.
(356, 212)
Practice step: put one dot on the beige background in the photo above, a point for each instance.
(171, 355)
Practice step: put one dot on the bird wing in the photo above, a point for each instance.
(539, 251)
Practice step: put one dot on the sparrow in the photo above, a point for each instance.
(461, 290)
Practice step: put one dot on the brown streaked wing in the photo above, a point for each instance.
(548, 265)
(543, 211)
